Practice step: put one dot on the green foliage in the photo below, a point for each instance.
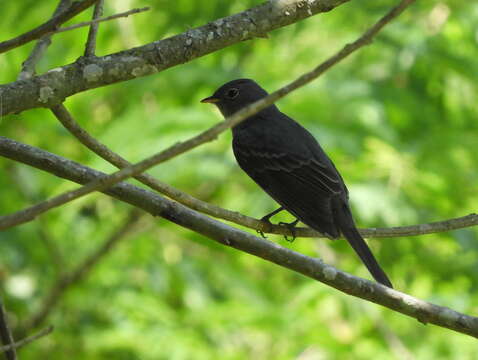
(399, 119)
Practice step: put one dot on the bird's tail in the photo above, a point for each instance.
(357, 242)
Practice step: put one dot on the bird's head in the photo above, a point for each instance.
(236, 94)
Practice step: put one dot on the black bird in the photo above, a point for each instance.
(285, 160)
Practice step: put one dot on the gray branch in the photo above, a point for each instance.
(56, 85)
(179, 214)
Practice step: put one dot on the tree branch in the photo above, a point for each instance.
(6, 335)
(47, 27)
(67, 120)
(27, 340)
(53, 87)
(179, 148)
(179, 214)
(90, 46)
(28, 66)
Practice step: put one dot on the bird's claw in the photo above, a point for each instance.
(266, 222)
(261, 233)
(291, 227)
(266, 226)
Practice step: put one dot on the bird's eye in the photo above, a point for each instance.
(232, 93)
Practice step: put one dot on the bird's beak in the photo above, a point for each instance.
(210, 99)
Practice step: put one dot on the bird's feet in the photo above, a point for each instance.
(267, 223)
(291, 227)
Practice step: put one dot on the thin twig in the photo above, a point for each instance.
(96, 21)
(90, 47)
(228, 236)
(207, 135)
(82, 269)
(28, 66)
(67, 120)
(47, 27)
(27, 340)
(6, 334)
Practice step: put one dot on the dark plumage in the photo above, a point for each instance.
(285, 160)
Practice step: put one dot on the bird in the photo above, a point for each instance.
(289, 164)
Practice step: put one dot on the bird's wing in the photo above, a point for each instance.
(303, 184)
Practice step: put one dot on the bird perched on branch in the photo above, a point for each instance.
(287, 162)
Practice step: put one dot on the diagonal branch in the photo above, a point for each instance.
(311, 267)
(27, 340)
(53, 87)
(207, 135)
(47, 27)
(67, 120)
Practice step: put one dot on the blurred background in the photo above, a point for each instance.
(399, 119)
